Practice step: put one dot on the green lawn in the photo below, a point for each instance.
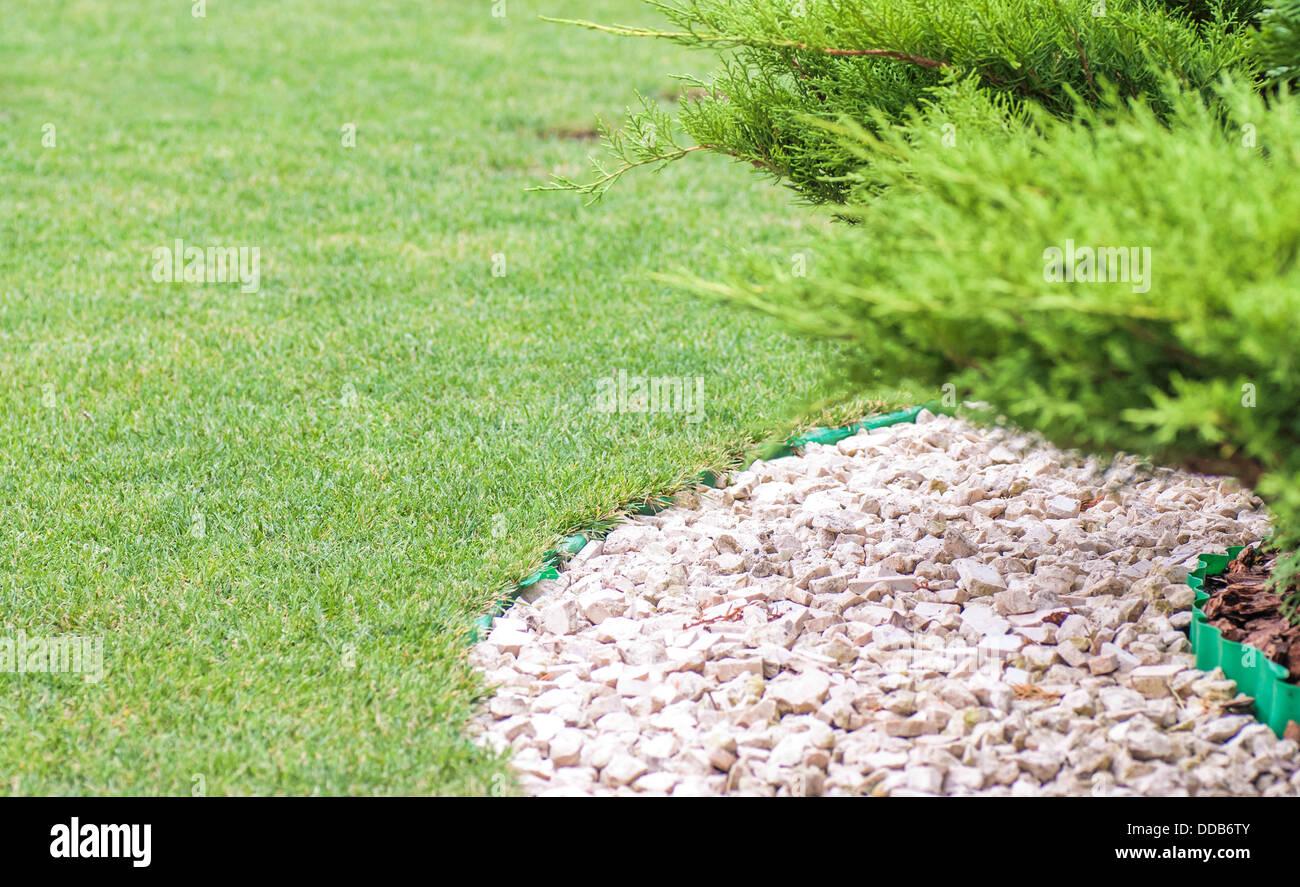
(351, 434)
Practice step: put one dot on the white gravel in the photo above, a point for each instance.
(922, 609)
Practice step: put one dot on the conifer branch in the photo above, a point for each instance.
(721, 40)
(780, 69)
(606, 178)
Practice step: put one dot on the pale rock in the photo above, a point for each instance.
(1153, 681)
(1143, 740)
(1180, 597)
(925, 779)
(1013, 601)
(516, 727)
(799, 693)
(562, 617)
(1000, 455)
(730, 563)
(626, 538)
(1222, 729)
(977, 578)
(1000, 646)
(1062, 507)
(1041, 765)
(1107, 585)
(566, 748)
(600, 604)
(1073, 652)
(622, 769)
(509, 637)
(507, 706)
(957, 546)
(967, 778)
(616, 628)
(658, 783)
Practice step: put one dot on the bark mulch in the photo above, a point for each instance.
(1244, 608)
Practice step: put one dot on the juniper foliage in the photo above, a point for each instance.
(787, 62)
(1277, 46)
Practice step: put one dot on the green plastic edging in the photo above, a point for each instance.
(835, 435)
(571, 545)
(1276, 700)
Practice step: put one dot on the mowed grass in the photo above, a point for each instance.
(278, 508)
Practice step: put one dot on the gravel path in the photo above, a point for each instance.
(922, 609)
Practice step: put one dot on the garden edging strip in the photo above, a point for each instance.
(1276, 700)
